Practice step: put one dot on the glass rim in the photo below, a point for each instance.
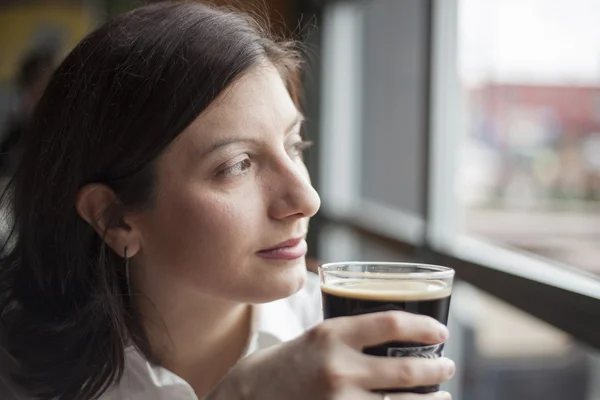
(431, 271)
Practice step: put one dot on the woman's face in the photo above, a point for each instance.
(234, 199)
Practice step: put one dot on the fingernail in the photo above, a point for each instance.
(443, 395)
(444, 332)
(449, 367)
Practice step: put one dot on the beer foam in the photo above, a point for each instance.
(388, 290)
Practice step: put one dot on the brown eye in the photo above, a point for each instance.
(237, 169)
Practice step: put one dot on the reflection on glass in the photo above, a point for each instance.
(530, 162)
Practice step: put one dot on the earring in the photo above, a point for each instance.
(127, 271)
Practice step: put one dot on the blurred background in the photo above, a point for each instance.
(460, 132)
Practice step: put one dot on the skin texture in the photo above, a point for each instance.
(217, 209)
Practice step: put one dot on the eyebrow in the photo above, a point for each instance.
(226, 142)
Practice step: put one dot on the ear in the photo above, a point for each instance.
(98, 205)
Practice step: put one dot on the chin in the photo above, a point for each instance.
(284, 282)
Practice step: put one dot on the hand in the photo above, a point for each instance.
(326, 363)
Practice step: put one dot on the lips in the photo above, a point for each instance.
(289, 250)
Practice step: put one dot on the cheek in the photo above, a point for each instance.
(202, 236)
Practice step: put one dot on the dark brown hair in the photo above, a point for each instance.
(111, 108)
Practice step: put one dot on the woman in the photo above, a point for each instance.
(161, 209)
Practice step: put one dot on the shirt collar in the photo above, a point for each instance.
(273, 323)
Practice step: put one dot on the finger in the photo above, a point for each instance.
(403, 372)
(414, 396)
(388, 326)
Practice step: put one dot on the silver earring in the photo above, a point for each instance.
(127, 271)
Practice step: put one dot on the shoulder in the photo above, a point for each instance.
(142, 381)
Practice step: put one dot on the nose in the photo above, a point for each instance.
(292, 193)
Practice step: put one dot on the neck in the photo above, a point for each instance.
(198, 339)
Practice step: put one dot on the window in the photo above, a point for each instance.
(529, 145)
(465, 133)
(488, 155)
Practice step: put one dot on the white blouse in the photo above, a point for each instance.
(272, 323)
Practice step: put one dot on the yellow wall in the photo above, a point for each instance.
(21, 23)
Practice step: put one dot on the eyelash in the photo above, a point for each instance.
(300, 147)
(296, 151)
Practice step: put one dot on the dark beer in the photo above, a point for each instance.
(355, 297)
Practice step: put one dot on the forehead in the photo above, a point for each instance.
(257, 100)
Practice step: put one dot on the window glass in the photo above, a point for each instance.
(529, 163)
